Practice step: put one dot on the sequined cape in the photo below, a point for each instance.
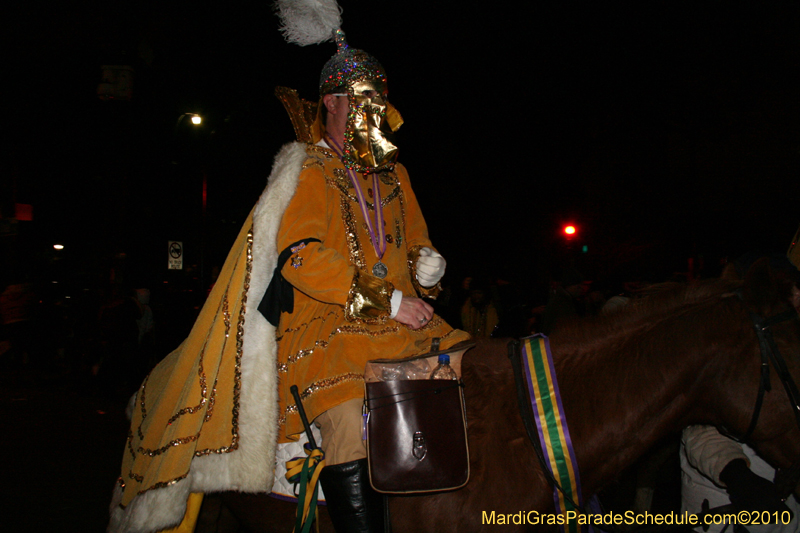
(341, 311)
(206, 418)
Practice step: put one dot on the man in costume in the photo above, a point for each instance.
(346, 289)
(359, 258)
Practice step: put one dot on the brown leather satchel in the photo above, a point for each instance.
(416, 428)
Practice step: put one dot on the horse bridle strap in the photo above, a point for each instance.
(770, 352)
(764, 383)
(765, 338)
(786, 479)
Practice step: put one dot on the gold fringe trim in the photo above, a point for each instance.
(318, 386)
(347, 329)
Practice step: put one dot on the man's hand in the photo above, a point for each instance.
(430, 267)
(748, 491)
(414, 312)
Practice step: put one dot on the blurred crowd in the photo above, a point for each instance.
(108, 338)
(487, 306)
(105, 340)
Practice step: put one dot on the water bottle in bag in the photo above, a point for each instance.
(443, 370)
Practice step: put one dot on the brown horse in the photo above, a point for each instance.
(687, 355)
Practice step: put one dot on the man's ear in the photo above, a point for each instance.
(329, 101)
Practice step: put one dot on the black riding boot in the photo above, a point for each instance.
(354, 506)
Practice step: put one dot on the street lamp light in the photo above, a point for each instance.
(194, 118)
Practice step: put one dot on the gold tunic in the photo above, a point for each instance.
(341, 311)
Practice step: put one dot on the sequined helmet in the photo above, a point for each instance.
(347, 66)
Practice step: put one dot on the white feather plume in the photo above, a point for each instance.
(305, 22)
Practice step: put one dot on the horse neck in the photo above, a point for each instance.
(628, 387)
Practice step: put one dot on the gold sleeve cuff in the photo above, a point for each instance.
(369, 300)
(429, 292)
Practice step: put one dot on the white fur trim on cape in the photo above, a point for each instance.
(250, 467)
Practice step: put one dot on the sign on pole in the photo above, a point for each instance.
(175, 255)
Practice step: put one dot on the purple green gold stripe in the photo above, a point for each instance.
(551, 423)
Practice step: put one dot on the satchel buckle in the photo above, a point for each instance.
(420, 449)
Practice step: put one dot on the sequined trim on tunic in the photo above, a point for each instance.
(318, 386)
(398, 237)
(347, 330)
(306, 324)
(413, 257)
(341, 181)
(401, 235)
(284, 367)
(360, 330)
(314, 150)
(389, 197)
(313, 163)
(389, 178)
(351, 235)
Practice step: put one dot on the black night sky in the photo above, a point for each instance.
(663, 130)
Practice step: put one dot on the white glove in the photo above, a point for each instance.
(430, 267)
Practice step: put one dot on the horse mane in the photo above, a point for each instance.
(657, 303)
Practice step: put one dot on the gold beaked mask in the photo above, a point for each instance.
(370, 120)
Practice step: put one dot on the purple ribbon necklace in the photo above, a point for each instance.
(376, 229)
